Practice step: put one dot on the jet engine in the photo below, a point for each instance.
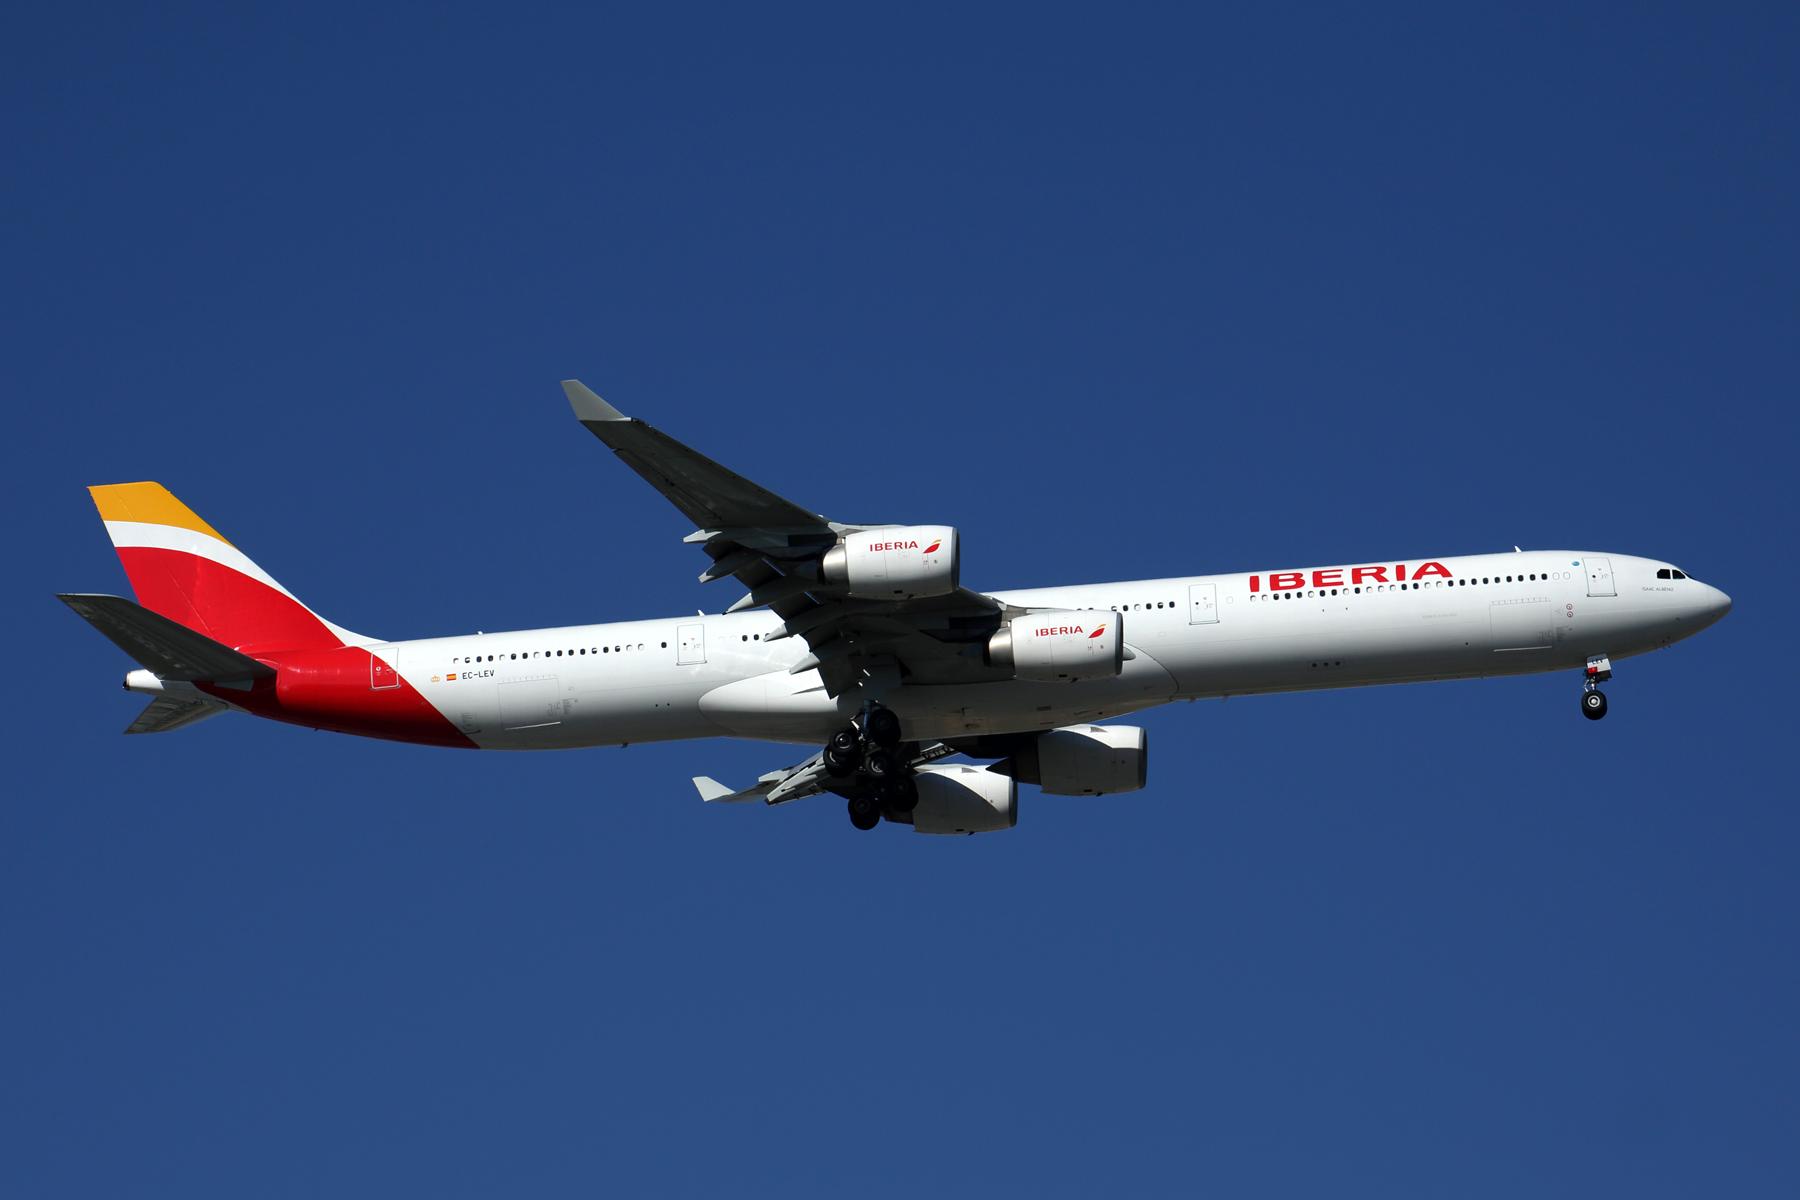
(1084, 760)
(901, 562)
(1054, 647)
(954, 798)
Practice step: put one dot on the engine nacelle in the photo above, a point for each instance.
(900, 563)
(1055, 647)
(961, 799)
(1085, 760)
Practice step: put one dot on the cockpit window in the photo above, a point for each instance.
(1677, 574)
(1670, 573)
(1662, 573)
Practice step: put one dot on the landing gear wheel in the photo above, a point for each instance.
(843, 753)
(899, 794)
(879, 764)
(864, 812)
(882, 727)
(1593, 705)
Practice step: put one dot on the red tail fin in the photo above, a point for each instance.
(182, 568)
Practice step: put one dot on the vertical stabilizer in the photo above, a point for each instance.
(184, 569)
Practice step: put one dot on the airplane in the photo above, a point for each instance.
(862, 642)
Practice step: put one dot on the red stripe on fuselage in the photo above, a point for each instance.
(224, 604)
(329, 689)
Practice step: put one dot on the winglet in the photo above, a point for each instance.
(711, 789)
(587, 406)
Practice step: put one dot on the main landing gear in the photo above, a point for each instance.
(865, 760)
(1593, 700)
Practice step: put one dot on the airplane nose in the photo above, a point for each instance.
(1715, 604)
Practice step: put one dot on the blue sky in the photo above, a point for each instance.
(1120, 294)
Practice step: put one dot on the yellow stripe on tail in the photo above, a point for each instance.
(149, 503)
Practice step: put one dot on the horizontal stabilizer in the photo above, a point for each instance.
(170, 649)
(166, 712)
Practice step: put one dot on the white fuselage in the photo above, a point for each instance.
(1188, 638)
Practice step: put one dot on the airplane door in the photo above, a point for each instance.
(1203, 603)
(1599, 576)
(690, 645)
(384, 672)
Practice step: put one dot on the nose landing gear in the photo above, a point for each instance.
(870, 772)
(1593, 700)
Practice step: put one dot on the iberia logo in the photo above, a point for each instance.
(933, 548)
(1098, 630)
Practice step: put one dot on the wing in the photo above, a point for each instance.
(775, 787)
(773, 547)
(810, 778)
